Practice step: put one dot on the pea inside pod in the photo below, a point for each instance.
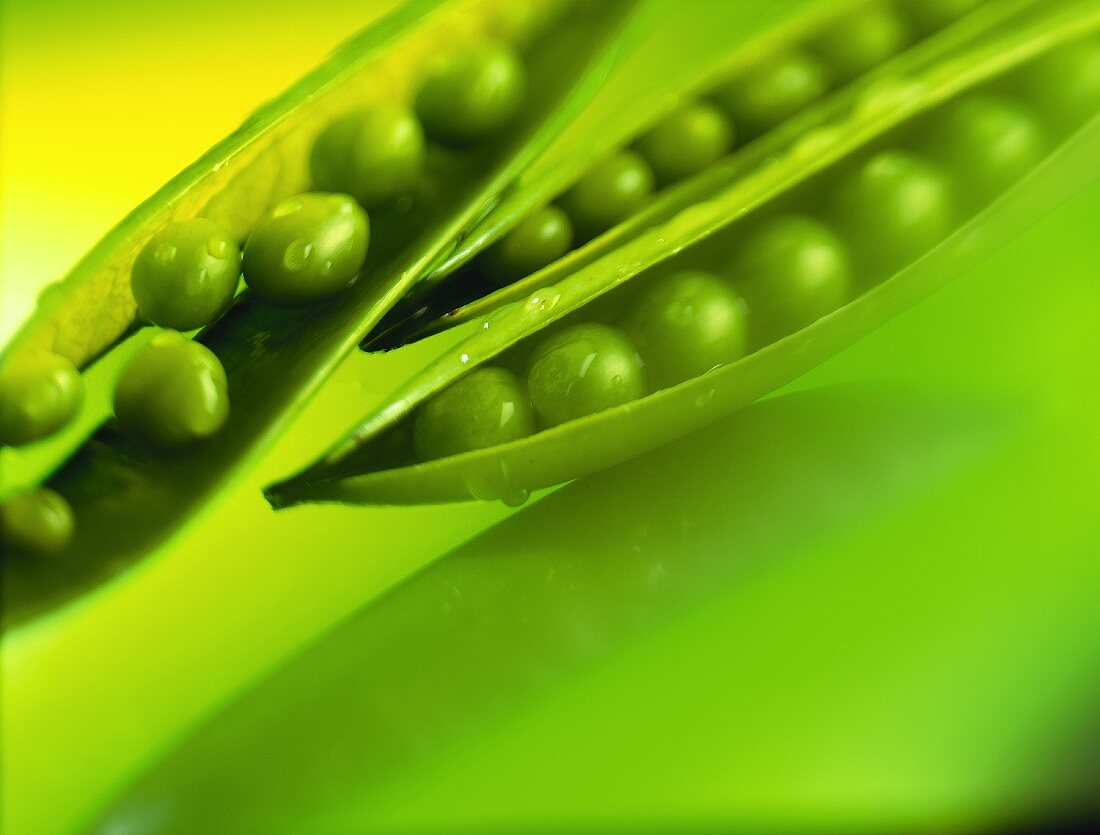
(687, 141)
(774, 89)
(583, 369)
(374, 154)
(306, 249)
(35, 523)
(685, 325)
(862, 39)
(739, 106)
(38, 395)
(173, 393)
(489, 406)
(543, 237)
(186, 275)
(875, 208)
(609, 192)
(471, 90)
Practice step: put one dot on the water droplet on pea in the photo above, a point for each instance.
(165, 254)
(297, 254)
(219, 246)
(287, 207)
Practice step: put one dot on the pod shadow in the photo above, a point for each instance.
(553, 590)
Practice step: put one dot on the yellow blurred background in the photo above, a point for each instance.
(102, 102)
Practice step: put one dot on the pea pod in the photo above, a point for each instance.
(445, 300)
(276, 358)
(356, 470)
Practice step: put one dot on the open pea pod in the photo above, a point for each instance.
(891, 269)
(748, 57)
(126, 498)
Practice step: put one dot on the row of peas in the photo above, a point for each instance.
(303, 252)
(786, 270)
(697, 134)
(311, 246)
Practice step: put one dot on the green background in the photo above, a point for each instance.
(868, 602)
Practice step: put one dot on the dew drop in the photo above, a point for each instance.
(218, 246)
(287, 207)
(488, 480)
(704, 399)
(464, 358)
(297, 255)
(516, 498)
(165, 254)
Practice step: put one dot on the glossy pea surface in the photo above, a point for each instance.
(609, 192)
(374, 154)
(539, 239)
(773, 90)
(186, 275)
(990, 142)
(583, 369)
(306, 249)
(38, 523)
(38, 396)
(893, 207)
(686, 324)
(471, 91)
(863, 39)
(792, 270)
(172, 393)
(1065, 83)
(485, 407)
(688, 140)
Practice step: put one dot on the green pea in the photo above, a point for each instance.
(792, 271)
(471, 91)
(690, 139)
(307, 249)
(541, 238)
(862, 40)
(483, 408)
(686, 324)
(39, 394)
(932, 15)
(990, 142)
(39, 522)
(773, 90)
(894, 207)
(374, 154)
(1065, 84)
(186, 275)
(610, 192)
(583, 369)
(172, 393)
